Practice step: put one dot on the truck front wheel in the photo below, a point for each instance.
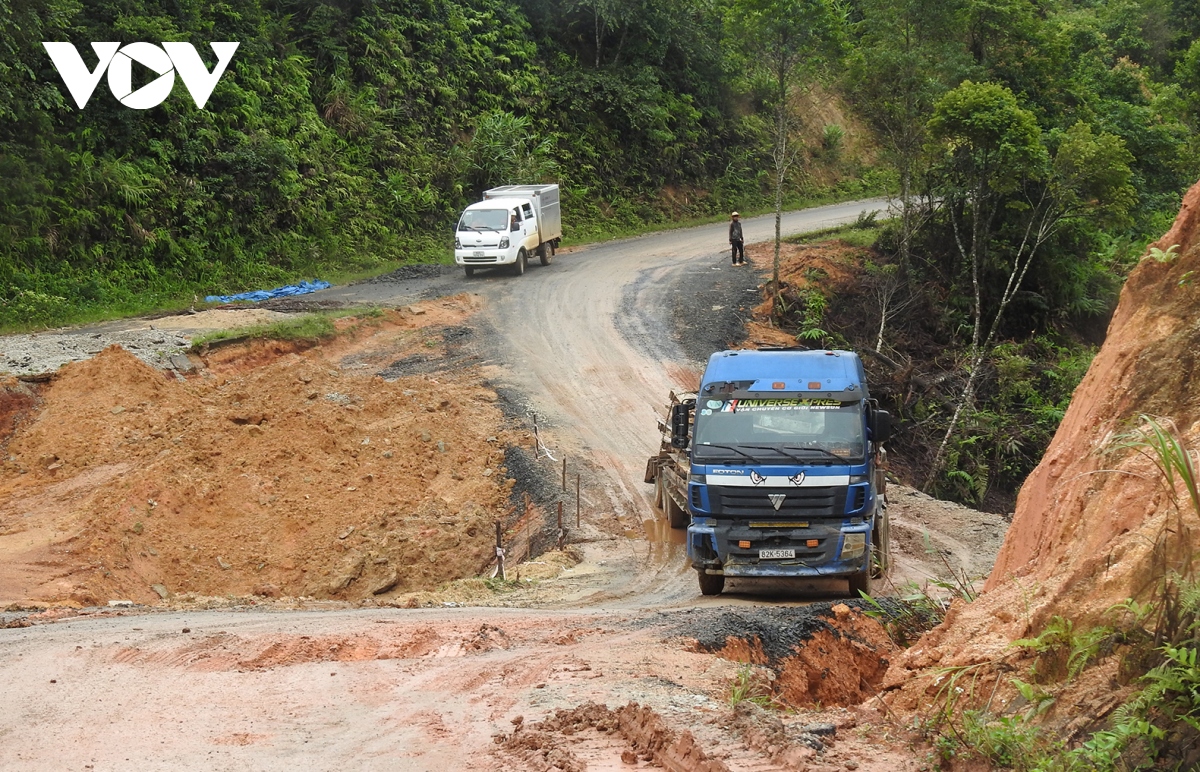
(860, 583)
(469, 270)
(881, 546)
(519, 266)
(710, 584)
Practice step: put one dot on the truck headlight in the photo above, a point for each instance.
(853, 545)
(504, 242)
(696, 478)
(457, 243)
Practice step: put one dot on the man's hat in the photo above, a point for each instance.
(735, 214)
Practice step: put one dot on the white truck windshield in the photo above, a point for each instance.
(484, 220)
(828, 427)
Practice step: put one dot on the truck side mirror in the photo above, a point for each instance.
(881, 426)
(681, 421)
(516, 226)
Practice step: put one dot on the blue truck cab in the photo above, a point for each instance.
(778, 461)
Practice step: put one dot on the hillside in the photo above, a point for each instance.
(346, 137)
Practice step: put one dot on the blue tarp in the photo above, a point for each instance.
(303, 288)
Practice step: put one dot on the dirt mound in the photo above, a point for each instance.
(827, 654)
(271, 472)
(1095, 523)
(554, 743)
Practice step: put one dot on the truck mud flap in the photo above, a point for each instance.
(702, 546)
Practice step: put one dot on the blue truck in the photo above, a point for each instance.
(775, 465)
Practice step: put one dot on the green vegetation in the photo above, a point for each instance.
(306, 328)
(750, 684)
(1056, 139)
(345, 138)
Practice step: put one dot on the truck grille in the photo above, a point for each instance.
(473, 259)
(797, 502)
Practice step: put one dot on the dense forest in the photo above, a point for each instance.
(1036, 147)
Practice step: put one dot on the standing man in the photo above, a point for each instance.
(736, 240)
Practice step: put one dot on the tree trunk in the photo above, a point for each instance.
(781, 152)
(1022, 261)
(596, 13)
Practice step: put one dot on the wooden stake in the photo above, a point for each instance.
(499, 551)
(577, 507)
(564, 474)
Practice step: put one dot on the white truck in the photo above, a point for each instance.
(511, 223)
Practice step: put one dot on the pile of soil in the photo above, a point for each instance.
(549, 744)
(275, 470)
(824, 653)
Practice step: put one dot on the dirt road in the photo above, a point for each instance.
(597, 340)
(591, 344)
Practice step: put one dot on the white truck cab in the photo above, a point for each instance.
(509, 225)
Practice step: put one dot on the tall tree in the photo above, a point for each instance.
(791, 42)
(906, 56)
(992, 160)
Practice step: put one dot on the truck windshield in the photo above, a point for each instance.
(828, 428)
(484, 220)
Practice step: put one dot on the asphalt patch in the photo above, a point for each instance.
(709, 309)
(410, 272)
(460, 353)
(778, 630)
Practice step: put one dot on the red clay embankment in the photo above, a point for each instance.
(1095, 522)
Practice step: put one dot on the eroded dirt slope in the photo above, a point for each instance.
(1096, 523)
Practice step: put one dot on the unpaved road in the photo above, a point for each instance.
(591, 342)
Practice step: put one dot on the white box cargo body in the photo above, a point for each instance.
(545, 205)
(510, 224)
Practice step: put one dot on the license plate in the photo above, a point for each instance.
(478, 254)
(768, 554)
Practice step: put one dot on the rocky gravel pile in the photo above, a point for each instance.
(45, 352)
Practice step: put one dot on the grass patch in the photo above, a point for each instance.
(750, 685)
(309, 328)
(863, 233)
